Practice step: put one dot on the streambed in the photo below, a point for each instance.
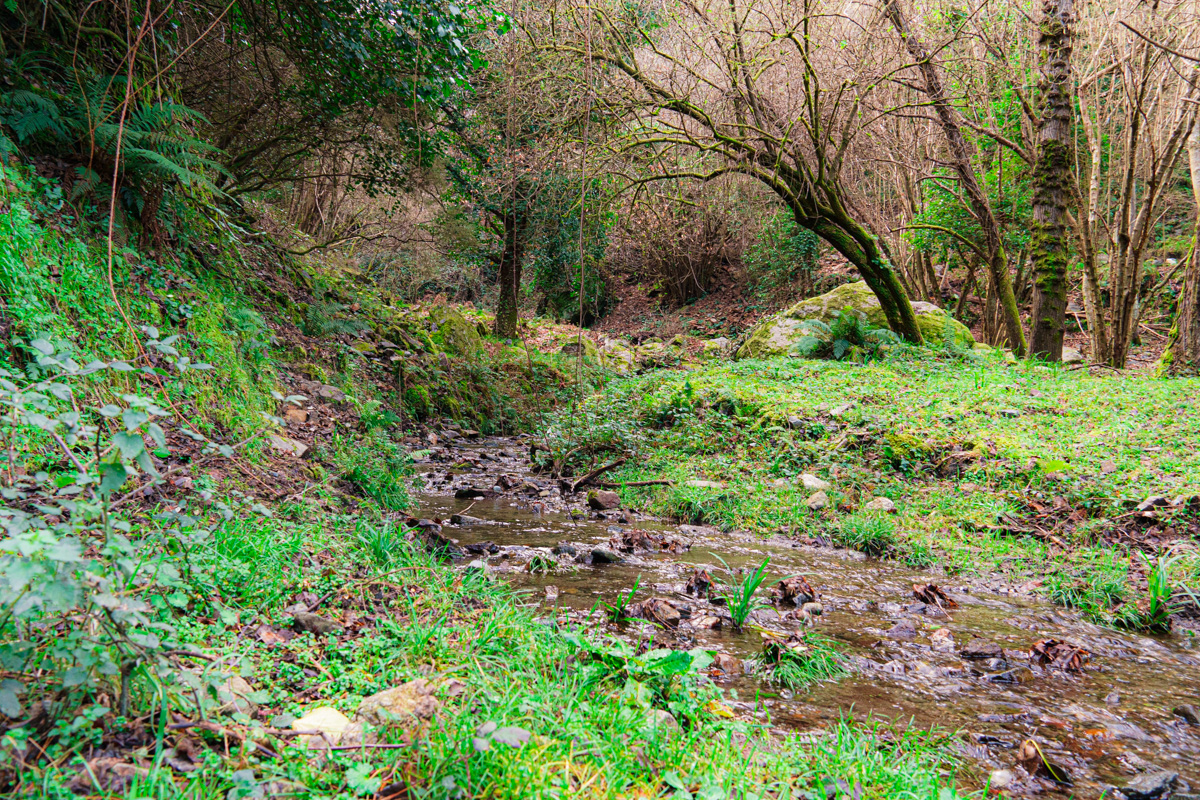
(1110, 725)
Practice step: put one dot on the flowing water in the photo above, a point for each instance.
(1106, 725)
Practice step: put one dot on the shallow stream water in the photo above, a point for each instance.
(1107, 726)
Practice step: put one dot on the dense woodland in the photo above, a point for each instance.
(408, 398)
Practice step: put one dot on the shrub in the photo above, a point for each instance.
(873, 534)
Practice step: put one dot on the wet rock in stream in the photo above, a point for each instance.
(1150, 786)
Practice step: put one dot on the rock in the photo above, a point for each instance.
(981, 648)
(481, 548)
(817, 502)
(478, 565)
(551, 594)
(778, 335)
(707, 623)
(453, 333)
(323, 727)
(1071, 356)
(572, 348)
(617, 358)
(564, 549)
(657, 609)
(603, 501)
(295, 416)
(1112, 699)
(714, 348)
(903, 631)
(1001, 778)
(1150, 785)
(809, 613)
(698, 484)
(1035, 762)
(881, 504)
(1155, 501)
(812, 483)
(465, 519)
(286, 446)
(1017, 675)
(729, 664)
(314, 623)
(942, 640)
(662, 723)
(404, 706)
(1011, 413)
(234, 696)
(602, 555)
(1187, 712)
(1108, 467)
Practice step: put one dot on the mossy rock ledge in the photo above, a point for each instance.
(777, 335)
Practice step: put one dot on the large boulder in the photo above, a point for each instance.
(453, 333)
(778, 335)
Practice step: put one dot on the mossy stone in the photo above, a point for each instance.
(454, 334)
(776, 336)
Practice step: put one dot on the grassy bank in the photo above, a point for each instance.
(994, 469)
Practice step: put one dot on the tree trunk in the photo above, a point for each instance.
(960, 160)
(1051, 174)
(511, 258)
(1182, 356)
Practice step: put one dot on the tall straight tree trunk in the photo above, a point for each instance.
(505, 326)
(960, 160)
(1051, 174)
(1182, 356)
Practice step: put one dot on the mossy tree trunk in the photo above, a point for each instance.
(960, 161)
(1182, 356)
(515, 227)
(1051, 177)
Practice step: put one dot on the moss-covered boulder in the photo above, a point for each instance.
(777, 335)
(590, 351)
(452, 332)
(616, 357)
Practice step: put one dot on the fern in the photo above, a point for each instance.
(849, 330)
(323, 319)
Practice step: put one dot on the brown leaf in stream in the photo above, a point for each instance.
(699, 583)
(795, 590)
(1059, 655)
(930, 594)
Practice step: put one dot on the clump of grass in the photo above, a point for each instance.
(249, 562)
(1097, 586)
(873, 534)
(376, 465)
(618, 611)
(800, 660)
(383, 543)
(919, 555)
(740, 590)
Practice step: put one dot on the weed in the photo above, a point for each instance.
(739, 591)
(618, 611)
(800, 660)
(873, 534)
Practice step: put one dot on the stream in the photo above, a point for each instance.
(1109, 725)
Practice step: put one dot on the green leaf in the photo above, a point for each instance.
(112, 477)
(131, 445)
(42, 346)
(134, 418)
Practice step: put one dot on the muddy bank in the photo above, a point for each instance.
(1106, 708)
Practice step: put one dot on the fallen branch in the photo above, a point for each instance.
(213, 727)
(598, 471)
(657, 482)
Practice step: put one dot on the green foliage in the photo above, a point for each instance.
(554, 259)
(849, 335)
(873, 534)
(377, 466)
(739, 588)
(800, 660)
(326, 316)
(782, 253)
(617, 611)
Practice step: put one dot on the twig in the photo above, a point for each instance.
(656, 482)
(594, 474)
(213, 727)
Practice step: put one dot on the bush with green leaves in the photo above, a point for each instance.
(870, 533)
(782, 257)
(850, 335)
(78, 579)
(377, 466)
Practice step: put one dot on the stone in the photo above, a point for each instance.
(465, 519)
(1188, 713)
(617, 358)
(699, 484)
(778, 335)
(729, 664)
(817, 502)
(603, 501)
(286, 446)
(322, 727)
(572, 348)
(980, 649)
(478, 565)
(314, 623)
(1150, 785)
(602, 555)
(1000, 779)
(714, 348)
(812, 483)
(883, 504)
(903, 631)
(1071, 356)
(326, 392)
(295, 416)
(942, 640)
(1011, 413)
(564, 549)
(405, 706)
(1108, 467)
(453, 333)
(234, 696)
(662, 723)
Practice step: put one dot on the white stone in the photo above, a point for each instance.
(812, 483)
(880, 504)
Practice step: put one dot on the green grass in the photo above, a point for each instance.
(976, 457)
